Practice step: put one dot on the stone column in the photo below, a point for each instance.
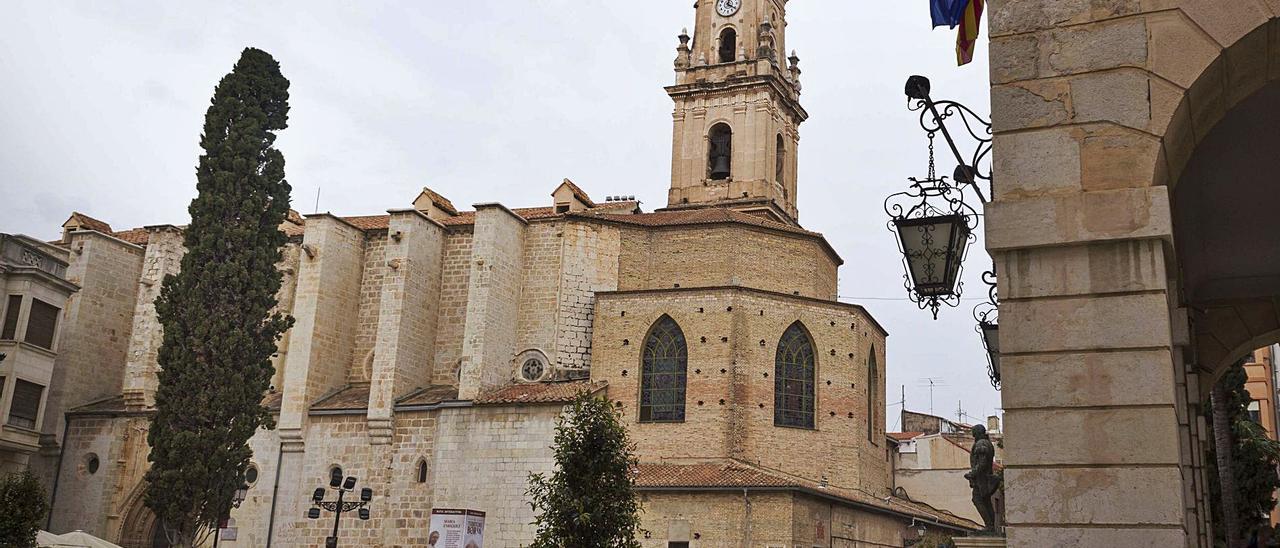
(163, 257)
(325, 305)
(489, 338)
(407, 315)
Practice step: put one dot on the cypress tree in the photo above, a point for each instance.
(589, 501)
(220, 326)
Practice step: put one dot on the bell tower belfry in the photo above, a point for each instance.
(737, 111)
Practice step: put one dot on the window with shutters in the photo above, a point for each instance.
(11, 310)
(665, 362)
(41, 323)
(26, 404)
(793, 379)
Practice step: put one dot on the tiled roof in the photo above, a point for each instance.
(732, 474)
(544, 392)
(138, 236)
(578, 192)
(351, 397)
(697, 217)
(439, 201)
(433, 394)
(109, 405)
(369, 222)
(88, 223)
(904, 436)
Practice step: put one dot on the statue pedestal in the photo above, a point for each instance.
(980, 542)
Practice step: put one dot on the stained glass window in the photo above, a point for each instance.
(793, 384)
(665, 363)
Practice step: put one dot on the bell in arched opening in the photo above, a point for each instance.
(720, 152)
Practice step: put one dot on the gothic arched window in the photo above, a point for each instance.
(720, 152)
(728, 45)
(793, 379)
(873, 384)
(665, 360)
(780, 166)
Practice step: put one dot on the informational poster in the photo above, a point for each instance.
(456, 528)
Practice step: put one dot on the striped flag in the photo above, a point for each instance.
(967, 38)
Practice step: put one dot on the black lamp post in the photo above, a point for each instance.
(339, 506)
(933, 222)
(237, 499)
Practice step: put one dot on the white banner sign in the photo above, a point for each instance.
(456, 528)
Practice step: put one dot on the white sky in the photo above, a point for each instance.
(101, 106)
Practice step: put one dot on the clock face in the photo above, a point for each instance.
(728, 7)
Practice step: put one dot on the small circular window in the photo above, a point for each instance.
(91, 463)
(251, 475)
(532, 365)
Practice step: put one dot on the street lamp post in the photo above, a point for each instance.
(339, 506)
(237, 499)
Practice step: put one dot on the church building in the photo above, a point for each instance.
(434, 348)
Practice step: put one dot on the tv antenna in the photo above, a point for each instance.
(931, 383)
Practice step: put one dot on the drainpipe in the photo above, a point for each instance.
(746, 505)
(275, 492)
(57, 472)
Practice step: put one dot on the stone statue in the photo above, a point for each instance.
(982, 477)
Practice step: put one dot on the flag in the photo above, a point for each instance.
(967, 38)
(947, 13)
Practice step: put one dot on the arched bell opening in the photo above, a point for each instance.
(720, 152)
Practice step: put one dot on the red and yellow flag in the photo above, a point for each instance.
(967, 38)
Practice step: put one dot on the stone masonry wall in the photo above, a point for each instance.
(374, 271)
(407, 319)
(163, 257)
(725, 255)
(489, 340)
(455, 283)
(732, 338)
(322, 340)
(483, 457)
(544, 255)
(95, 327)
(291, 259)
(590, 265)
(728, 519)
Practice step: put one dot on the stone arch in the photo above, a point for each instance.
(140, 528)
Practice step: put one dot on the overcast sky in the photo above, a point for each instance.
(101, 105)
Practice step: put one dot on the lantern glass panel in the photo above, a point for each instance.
(991, 339)
(934, 248)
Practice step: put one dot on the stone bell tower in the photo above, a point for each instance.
(737, 111)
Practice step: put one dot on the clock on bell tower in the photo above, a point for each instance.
(737, 111)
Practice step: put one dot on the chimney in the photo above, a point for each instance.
(993, 424)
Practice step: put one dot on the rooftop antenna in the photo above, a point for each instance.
(903, 403)
(931, 383)
(317, 210)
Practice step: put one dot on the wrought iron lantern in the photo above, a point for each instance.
(988, 314)
(933, 222)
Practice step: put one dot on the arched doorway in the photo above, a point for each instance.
(140, 529)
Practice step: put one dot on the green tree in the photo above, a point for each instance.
(589, 500)
(220, 327)
(23, 508)
(1250, 456)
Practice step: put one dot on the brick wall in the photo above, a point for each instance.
(725, 255)
(729, 398)
(540, 286)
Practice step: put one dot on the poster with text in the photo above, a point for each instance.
(456, 528)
